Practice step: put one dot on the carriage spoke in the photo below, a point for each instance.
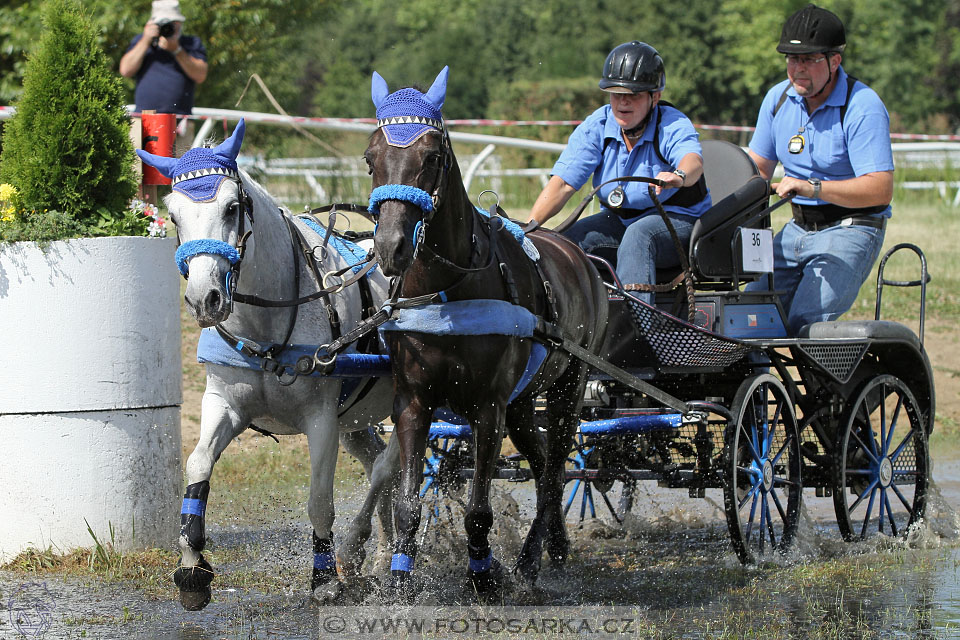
(883, 496)
(863, 445)
(786, 443)
(785, 482)
(750, 493)
(883, 418)
(893, 524)
(773, 426)
(864, 495)
(776, 501)
(893, 425)
(749, 440)
(573, 494)
(901, 446)
(866, 519)
(613, 512)
(763, 523)
(773, 535)
(753, 511)
(896, 490)
(868, 425)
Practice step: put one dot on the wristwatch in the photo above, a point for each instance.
(816, 184)
(682, 174)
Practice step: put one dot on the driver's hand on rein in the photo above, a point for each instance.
(670, 179)
(787, 185)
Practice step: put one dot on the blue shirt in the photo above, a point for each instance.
(596, 147)
(161, 84)
(831, 150)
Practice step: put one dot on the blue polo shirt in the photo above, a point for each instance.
(831, 151)
(161, 84)
(596, 147)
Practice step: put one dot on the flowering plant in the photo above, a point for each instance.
(66, 156)
(157, 227)
(9, 202)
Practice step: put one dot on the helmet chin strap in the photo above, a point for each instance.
(637, 131)
(829, 78)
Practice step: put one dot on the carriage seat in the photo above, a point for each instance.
(860, 330)
(738, 191)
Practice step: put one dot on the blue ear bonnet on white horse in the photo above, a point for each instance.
(200, 172)
(407, 114)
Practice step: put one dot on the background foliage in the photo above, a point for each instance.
(68, 149)
(317, 56)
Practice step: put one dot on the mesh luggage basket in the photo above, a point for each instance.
(676, 343)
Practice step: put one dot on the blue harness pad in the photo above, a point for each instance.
(515, 230)
(213, 349)
(465, 318)
(352, 253)
(474, 318)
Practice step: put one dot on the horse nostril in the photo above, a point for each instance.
(213, 302)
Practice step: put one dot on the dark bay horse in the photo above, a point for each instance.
(482, 284)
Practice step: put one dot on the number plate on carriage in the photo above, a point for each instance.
(757, 250)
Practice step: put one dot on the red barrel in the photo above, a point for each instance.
(159, 136)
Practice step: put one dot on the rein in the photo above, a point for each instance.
(686, 275)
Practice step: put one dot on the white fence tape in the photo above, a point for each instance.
(940, 152)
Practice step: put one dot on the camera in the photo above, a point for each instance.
(167, 27)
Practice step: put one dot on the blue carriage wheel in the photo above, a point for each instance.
(882, 462)
(761, 469)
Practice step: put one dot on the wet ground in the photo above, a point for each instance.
(669, 571)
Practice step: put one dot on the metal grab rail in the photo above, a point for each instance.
(922, 282)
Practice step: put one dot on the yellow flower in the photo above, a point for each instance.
(8, 213)
(7, 192)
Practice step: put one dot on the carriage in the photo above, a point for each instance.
(844, 408)
(489, 331)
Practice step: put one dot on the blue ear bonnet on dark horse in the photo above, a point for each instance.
(404, 116)
(407, 114)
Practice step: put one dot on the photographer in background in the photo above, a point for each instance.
(167, 65)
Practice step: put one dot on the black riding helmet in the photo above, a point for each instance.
(633, 67)
(812, 30)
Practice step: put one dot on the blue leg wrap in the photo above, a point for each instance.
(401, 562)
(324, 562)
(479, 566)
(192, 514)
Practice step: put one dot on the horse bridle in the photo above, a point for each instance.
(234, 255)
(414, 194)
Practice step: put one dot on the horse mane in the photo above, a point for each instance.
(263, 200)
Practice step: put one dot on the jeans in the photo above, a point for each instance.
(820, 272)
(637, 249)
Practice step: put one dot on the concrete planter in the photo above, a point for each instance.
(89, 393)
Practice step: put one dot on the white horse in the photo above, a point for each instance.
(212, 203)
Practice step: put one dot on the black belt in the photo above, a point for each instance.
(813, 219)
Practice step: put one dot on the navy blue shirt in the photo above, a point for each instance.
(161, 84)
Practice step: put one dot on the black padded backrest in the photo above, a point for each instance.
(726, 168)
(737, 191)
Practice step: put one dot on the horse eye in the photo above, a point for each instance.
(369, 165)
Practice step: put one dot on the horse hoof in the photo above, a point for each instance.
(195, 600)
(527, 570)
(327, 593)
(350, 564)
(487, 581)
(401, 588)
(194, 584)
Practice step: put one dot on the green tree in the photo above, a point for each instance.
(68, 147)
